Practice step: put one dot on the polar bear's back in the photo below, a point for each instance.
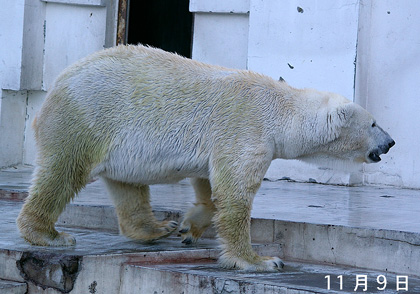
(137, 85)
(145, 107)
(125, 78)
(123, 72)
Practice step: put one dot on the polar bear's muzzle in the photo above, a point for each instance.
(382, 149)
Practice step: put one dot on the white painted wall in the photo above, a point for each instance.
(11, 39)
(388, 82)
(12, 103)
(311, 44)
(39, 39)
(216, 34)
(72, 32)
(12, 126)
(221, 30)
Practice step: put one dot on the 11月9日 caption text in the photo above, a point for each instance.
(360, 283)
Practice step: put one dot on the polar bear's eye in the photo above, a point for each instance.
(373, 125)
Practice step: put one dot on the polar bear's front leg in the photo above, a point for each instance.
(135, 215)
(199, 217)
(234, 185)
(233, 219)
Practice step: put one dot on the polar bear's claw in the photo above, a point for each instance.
(168, 228)
(150, 233)
(278, 263)
(184, 230)
(171, 226)
(189, 235)
(188, 240)
(257, 264)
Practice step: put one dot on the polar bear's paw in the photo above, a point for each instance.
(55, 240)
(196, 221)
(258, 264)
(165, 229)
(158, 230)
(190, 233)
(40, 233)
(272, 264)
(168, 227)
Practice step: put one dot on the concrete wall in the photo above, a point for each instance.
(365, 50)
(39, 39)
(11, 16)
(388, 80)
(12, 126)
(221, 30)
(64, 43)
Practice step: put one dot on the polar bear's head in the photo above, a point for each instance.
(360, 136)
(347, 133)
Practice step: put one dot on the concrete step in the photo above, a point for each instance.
(10, 287)
(335, 231)
(122, 266)
(204, 277)
(371, 248)
(376, 249)
(95, 264)
(103, 260)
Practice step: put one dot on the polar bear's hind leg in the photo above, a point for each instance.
(135, 215)
(199, 217)
(52, 188)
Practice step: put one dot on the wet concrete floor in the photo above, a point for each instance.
(307, 277)
(366, 207)
(89, 241)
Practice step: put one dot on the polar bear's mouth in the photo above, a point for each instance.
(374, 156)
(383, 149)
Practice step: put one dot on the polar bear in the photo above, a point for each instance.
(137, 116)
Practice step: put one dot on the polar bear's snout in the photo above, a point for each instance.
(385, 148)
(382, 149)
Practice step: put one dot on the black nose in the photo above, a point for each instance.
(391, 144)
(385, 148)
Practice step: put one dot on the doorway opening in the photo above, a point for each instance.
(165, 24)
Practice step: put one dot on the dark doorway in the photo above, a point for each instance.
(166, 24)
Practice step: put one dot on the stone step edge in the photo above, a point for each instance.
(13, 194)
(102, 271)
(297, 277)
(103, 217)
(7, 286)
(376, 249)
(144, 278)
(113, 261)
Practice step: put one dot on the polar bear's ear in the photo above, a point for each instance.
(338, 118)
(344, 112)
